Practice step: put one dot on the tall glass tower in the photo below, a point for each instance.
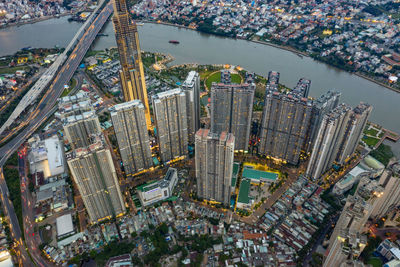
(131, 74)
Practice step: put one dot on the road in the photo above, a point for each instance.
(22, 255)
(44, 108)
(45, 80)
(40, 114)
(32, 239)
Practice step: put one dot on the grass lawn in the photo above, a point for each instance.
(370, 141)
(204, 73)
(65, 92)
(371, 131)
(383, 154)
(375, 262)
(72, 85)
(216, 77)
(12, 70)
(93, 53)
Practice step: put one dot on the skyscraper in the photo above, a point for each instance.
(170, 117)
(322, 106)
(231, 110)
(79, 119)
(285, 122)
(352, 222)
(358, 120)
(133, 140)
(329, 137)
(191, 87)
(131, 74)
(390, 198)
(302, 87)
(337, 137)
(94, 174)
(90, 163)
(214, 163)
(73, 105)
(347, 247)
(78, 129)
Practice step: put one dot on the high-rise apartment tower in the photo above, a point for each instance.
(170, 117)
(191, 87)
(133, 139)
(231, 109)
(214, 163)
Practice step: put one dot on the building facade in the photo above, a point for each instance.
(214, 164)
(133, 139)
(191, 87)
(321, 106)
(302, 87)
(346, 247)
(170, 116)
(329, 137)
(78, 129)
(285, 125)
(132, 78)
(231, 110)
(156, 191)
(390, 181)
(94, 174)
(338, 136)
(358, 121)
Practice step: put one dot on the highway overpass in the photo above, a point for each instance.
(45, 80)
(43, 110)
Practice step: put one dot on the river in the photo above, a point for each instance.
(201, 48)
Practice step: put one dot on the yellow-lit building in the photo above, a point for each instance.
(131, 74)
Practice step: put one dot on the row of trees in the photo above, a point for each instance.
(11, 176)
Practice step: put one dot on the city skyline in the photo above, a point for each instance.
(119, 156)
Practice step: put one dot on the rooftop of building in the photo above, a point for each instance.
(80, 96)
(258, 175)
(165, 182)
(168, 177)
(362, 107)
(373, 163)
(120, 261)
(147, 186)
(98, 143)
(126, 105)
(324, 98)
(241, 86)
(47, 155)
(190, 79)
(84, 105)
(223, 136)
(83, 116)
(64, 225)
(273, 92)
(167, 94)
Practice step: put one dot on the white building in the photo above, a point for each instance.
(156, 191)
(47, 156)
(64, 225)
(369, 167)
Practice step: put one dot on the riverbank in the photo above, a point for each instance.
(283, 47)
(377, 82)
(35, 20)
